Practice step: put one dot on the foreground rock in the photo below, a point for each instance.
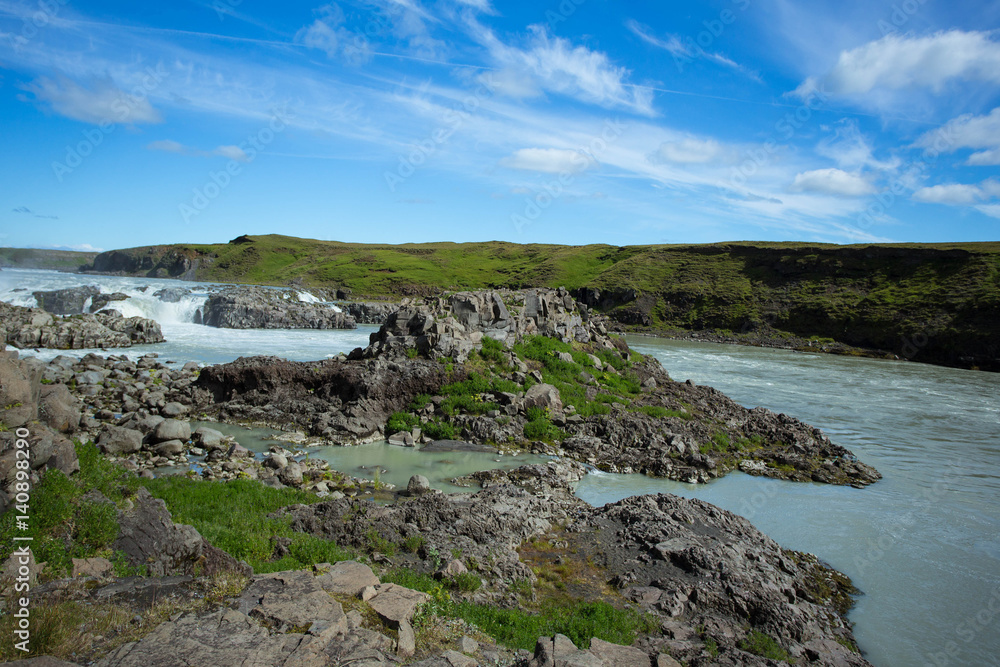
(32, 327)
(251, 307)
(710, 577)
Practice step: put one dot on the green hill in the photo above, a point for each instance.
(941, 301)
(33, 258)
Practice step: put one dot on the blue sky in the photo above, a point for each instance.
(569, 121)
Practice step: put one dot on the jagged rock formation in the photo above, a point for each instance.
(33, 327)
(705, 573)
(455, 325)
(251, 307)
(66, 301)
(370, 312)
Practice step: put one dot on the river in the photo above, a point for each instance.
(923, 544)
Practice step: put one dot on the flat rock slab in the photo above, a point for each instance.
(615, 655)
(226, 638)
(396, 604)
(456, 446)
(348, 578)
(292, 599)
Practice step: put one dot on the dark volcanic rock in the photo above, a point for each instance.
(33, 327)
(68, 301)
(251, 307)
(370, 312)
(345, 401)
(454, 326)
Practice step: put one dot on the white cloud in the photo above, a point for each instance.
(850, 149)
(102, 101)
(985, 158)
(968, 131)
(689, 151)
(832, 182)
(171, 146)
(167, 145)
(556, 65)
(957, 194)
(548, 160)
(899, 62)
(232, 152)
(992, 210)
(482, 5)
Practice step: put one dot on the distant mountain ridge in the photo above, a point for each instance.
(938, 303)
(35, 258)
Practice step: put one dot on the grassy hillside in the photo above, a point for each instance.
(939, 300)
(31, 258)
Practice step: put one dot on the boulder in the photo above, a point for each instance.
(174, 409)
(172, 429)
(148, 536)
(291, 474)
(58, 408)
(348, 578)
(169, 448)
(396, 604)
(117, 440)
(543, 396)
(207, 437)
(418, 485)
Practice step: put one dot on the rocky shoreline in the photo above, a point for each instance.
(528, 371)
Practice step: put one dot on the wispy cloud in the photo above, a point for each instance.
(549, 160)
(685, 51)
(24, 210)
(968, 131)
(100, 101)
(556, 65)
(171, 146)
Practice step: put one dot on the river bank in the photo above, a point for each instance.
(912, 421)
(445, 364)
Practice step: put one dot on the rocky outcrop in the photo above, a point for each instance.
(35, 418)
(251, 307)
(347, 402)
(455, 325)
(69, 301)
(706, 575)
(33, 327)
(370, 312)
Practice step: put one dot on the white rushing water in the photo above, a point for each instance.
(185, 340)
(923, 544)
